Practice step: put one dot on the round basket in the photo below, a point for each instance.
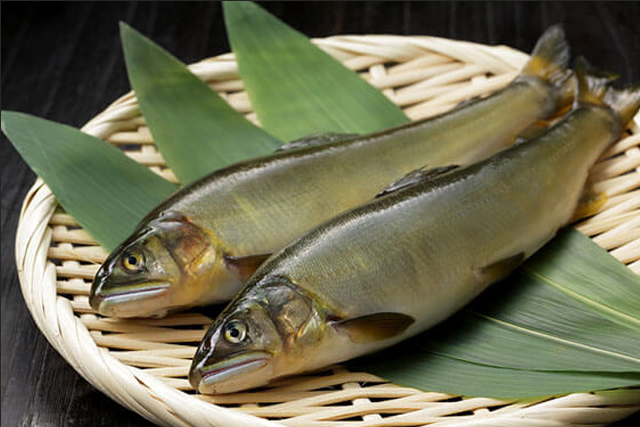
(143, 363)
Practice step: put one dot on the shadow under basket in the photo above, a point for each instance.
(143, 363)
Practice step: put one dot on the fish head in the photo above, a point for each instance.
(268, 331)
(167, 262)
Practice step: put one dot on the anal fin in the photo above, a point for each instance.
(589, 204)
(500, 269)
(374, 327)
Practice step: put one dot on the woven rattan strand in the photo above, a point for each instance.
(143, 363)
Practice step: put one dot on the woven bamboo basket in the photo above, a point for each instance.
(143, 363)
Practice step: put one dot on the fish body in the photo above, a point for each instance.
(402, 263)
(200, 245)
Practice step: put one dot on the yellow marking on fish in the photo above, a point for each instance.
(590, 204)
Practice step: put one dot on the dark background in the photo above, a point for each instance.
(62, 61)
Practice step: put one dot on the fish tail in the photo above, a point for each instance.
(626, 102)
(549, 58)
(593, 87)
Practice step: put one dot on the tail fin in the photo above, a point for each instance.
(625, 102)
(593, 88)
(550, 57)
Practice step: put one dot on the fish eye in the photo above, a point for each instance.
(133, 261)
(235, 331)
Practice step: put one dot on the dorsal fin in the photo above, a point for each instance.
(316, 139)
(416, 176)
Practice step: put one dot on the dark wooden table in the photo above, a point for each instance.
(62, 61)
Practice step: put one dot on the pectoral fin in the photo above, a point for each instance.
(315, 139)
(245, 266)
(500, 269)
(416, 176)
(374, 327)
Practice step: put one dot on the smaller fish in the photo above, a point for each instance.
(406, 261)
(201, 245)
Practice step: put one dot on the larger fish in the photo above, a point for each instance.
(201, 245)
(404, 262)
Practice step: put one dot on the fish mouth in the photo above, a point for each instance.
(242, 364)
(132, 300)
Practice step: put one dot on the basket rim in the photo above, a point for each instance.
(141, 391)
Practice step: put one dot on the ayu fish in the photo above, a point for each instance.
(201, 244)
(404, 262)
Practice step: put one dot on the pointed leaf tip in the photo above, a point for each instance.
(7, 117)
(196, 130)
(104, 190)
(3, 115)
(127, 32)
(288, 76)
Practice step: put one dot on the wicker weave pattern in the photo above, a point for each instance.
(143, 363)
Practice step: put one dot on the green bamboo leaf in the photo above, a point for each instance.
(103, 189)
(458, 377)
(296, 88)
(527, 337)
(571, 338)
(570, 269)
(196, 130)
